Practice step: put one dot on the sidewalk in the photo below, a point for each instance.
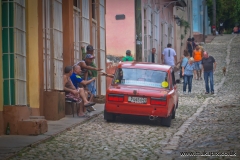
(11, 144)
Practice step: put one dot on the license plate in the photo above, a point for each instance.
(137, 99)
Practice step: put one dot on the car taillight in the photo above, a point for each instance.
(158, 101)
(116, 97)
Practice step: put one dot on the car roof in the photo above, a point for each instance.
(144, 65)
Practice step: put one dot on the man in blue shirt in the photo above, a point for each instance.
(78, 81)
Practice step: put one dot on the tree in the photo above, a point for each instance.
(227, 11)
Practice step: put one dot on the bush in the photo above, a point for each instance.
(228, 31)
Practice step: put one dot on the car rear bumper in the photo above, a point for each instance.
(140, 110)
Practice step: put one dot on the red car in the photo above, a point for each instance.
(143, 89)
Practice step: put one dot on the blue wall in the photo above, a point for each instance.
(198, 17)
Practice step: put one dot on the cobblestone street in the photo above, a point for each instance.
(207, 123)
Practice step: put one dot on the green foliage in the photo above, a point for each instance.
(182, 36)
(184, 24)
(227, 11)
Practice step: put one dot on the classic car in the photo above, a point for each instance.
(143, 89)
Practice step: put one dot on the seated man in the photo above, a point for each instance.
(89, 95)
(86, 67)
(78, 81)
(72, 92)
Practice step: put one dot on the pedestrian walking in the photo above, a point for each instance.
(128, 56)
(169, 56)
(193, 43)
(221, 28)
(208, 68)
(189, 46)
(187, 73)
(183, 63)
(198, 55)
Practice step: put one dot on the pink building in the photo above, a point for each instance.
(139, 26)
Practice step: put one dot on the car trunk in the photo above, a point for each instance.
(137, 100)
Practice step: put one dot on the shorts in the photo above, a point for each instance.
(198, 65)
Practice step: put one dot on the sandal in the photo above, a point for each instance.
(89, 104)
(82, 116)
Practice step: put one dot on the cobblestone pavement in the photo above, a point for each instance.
(215, 129)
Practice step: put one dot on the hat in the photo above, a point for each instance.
(128, 52)
(89, 56)
(90, 48)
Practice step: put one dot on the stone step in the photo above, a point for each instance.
(32, 127)
(36, 117)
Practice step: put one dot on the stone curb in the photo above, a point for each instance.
(52, 136)
(174, 141)
(173, 144)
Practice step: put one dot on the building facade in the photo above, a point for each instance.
(183, 30)
(38, 39)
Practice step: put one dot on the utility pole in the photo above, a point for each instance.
(214, 16)
(138, 20)
(204, 6)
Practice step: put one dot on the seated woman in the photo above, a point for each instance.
(72, 92)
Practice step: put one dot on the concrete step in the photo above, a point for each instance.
(32, 127)
(36, 117)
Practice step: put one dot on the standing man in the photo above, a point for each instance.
(221, 28)
(193, 43)
(189, 46)
(128, 56)
(169, 56)
(208, 67)
(91, 73)
(151, 57)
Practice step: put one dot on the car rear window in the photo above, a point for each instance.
(140, 77)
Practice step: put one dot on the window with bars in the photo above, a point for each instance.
(148, 34)
(76, 3)
(94, 9)
(156, 34)
(14, 52)
(162, 37)
(77, 31)
(52, 44)
(85, 23)
(102, 45)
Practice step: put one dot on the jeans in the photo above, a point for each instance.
(180, 72)
(187, 81)
(209, 75)
(91, 86)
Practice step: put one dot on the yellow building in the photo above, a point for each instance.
(40, 38)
